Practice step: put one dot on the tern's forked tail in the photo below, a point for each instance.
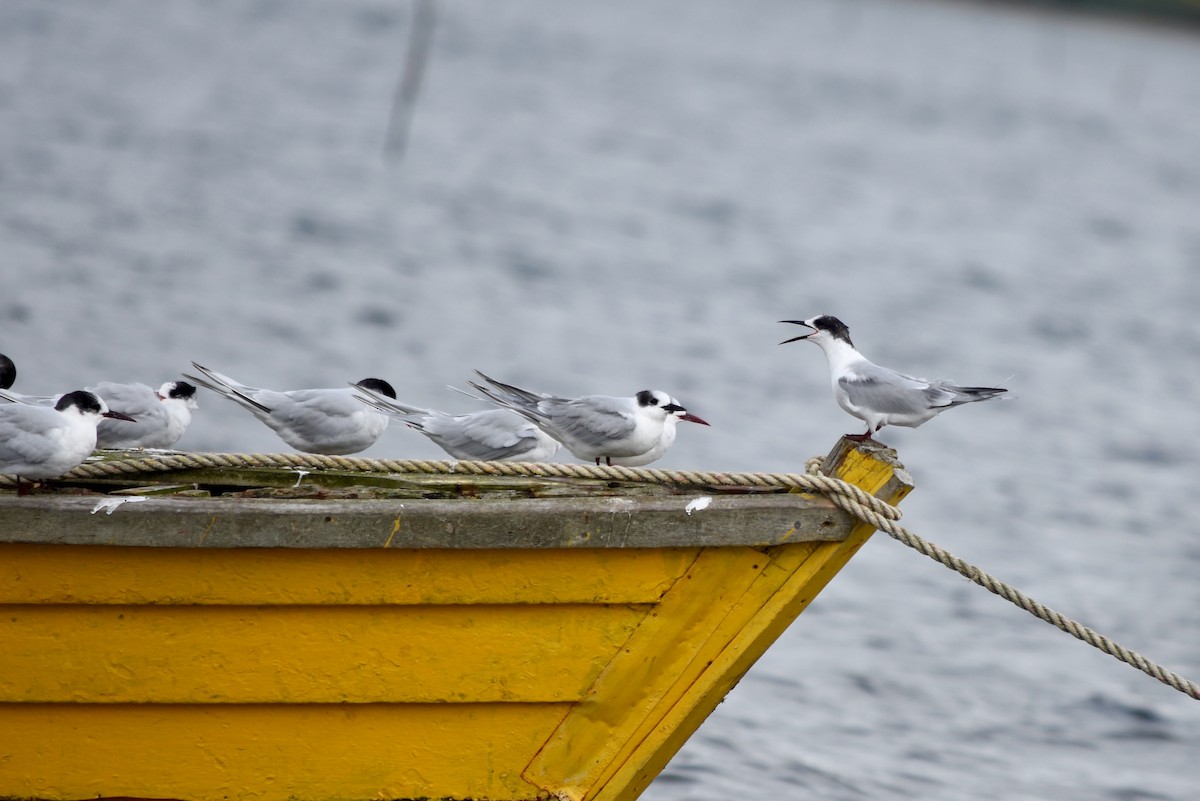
(973, 394)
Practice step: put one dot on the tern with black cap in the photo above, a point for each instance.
(877, 395)
(630, 431)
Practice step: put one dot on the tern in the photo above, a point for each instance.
(161, 416)
(43, 442)
(877, 395)
(616, 431)
(328, 421)
(489, 435)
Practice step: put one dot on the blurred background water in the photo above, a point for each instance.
(606, 197)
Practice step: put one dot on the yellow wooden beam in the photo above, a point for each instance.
(336, 752)
(357, 654)
(96, 574)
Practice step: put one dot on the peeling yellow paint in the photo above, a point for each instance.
(395, 531)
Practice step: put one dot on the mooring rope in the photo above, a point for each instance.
(1015, 596)
(846, 496)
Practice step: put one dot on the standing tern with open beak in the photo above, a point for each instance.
(877, 395)
(616, 431)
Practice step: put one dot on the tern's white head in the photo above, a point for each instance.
(657, 404)
(180, 391)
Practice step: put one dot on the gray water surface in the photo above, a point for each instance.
(614, 196)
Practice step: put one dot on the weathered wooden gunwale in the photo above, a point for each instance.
(616, 522)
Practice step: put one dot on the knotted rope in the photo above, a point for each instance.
(844, 495)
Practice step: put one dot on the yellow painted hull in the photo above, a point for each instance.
(269, 674)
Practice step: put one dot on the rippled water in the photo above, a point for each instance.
(605, 197)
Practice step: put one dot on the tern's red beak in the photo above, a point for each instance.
(691, 418)
(118, 416)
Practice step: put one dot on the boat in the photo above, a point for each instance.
(266, 634)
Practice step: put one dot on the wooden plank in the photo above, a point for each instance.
(360, 654)
(272, 752)
(59, 574)
(614, 522)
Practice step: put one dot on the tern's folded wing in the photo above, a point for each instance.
(136, 400)
(884, 391)
(595, 420)
(29, 437)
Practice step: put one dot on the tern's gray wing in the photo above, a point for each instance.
(487, 436)
(26, 434)
(595, 420)
(135, 400)
(150, 417)
(151, 421)
(314, 414)
(885, 391)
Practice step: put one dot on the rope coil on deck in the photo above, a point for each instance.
(846, 496)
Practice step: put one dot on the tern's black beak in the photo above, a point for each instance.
(117, 416)
(802, 336)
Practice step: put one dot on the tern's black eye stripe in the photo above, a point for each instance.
(646, 398)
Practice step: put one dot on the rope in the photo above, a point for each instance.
(1018, 598)
(810, 481)
(846, 496)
